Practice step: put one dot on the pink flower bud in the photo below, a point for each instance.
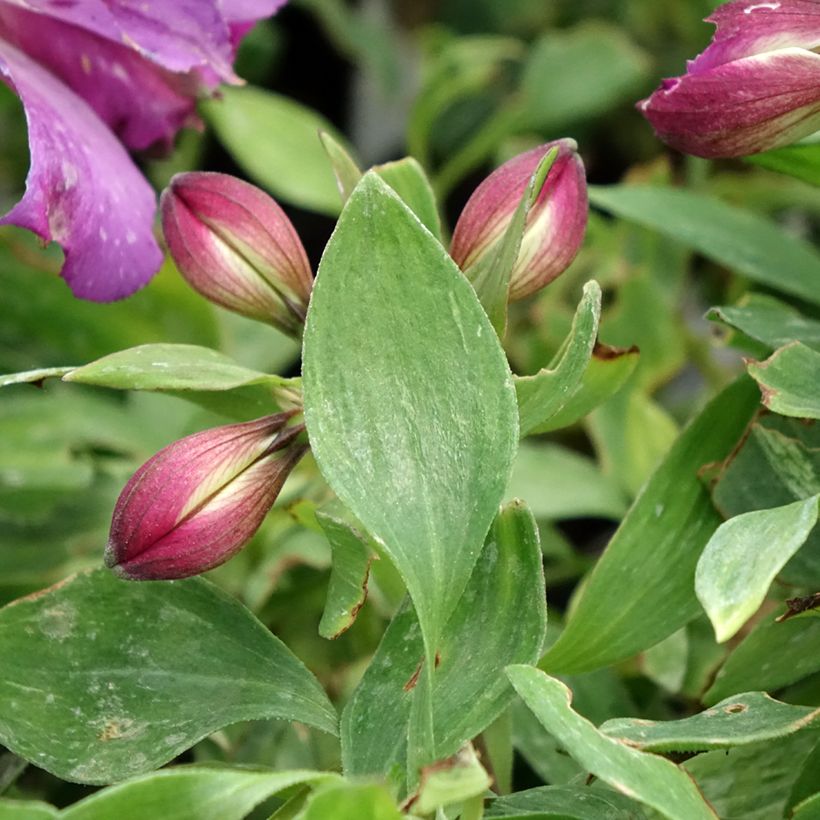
(756, 87)
(236, 246)
(555, 224)
(199, 501)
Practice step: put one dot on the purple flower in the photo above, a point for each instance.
(756, 87)
(555, 224)
(98, 78)
(199, 501)
(236, 246)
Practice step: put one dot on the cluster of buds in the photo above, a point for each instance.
(555, 224)
(200, 500)
(236, 246)
(756, 87)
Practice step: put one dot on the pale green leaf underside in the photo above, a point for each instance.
(788, 381)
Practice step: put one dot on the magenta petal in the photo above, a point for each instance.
(742, 107)
(82, 191)
(748, 27)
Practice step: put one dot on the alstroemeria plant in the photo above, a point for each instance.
(98, 79)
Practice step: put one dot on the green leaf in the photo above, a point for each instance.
(114, 678)
(34, 376)
(347, 589)
(490, 275)
(776, 463)
(738, 239)
(413, 423)
(773, 655)
(800, 161)
(770, 321)
(585, 375)
(181, 793)
(559, 483)
(743, 557)
(751, 717)
(576, 74)
(345, 168)
(348, 801)
(276, 141)
(27, 810)
(199, 374)
(788, 381)
(452, 781)
(407, 178)
(809, 809)
(752, 782)
(655, 549)
(644, 777)
(500, 619)
(565, 803)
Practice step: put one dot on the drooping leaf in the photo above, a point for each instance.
(585, 375)
(276, 141)
(566, 803)
(655, 549)
(773, 655)
(407, 178)
(788, 381)
(413, 423)
(741, 240)
(347, 589)
(651, 780)
(206, 793)
(500, 619)
(743, 557)
(752, 782)
(110, 680)
(751, 717)
(769, 321)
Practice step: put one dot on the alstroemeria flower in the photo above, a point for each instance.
(98, 78)
(756, 87)
(200, 500)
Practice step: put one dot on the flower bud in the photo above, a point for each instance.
(236, 246)
(199, 501)
(555, 224)
(756, 87)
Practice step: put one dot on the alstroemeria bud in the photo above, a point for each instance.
(555, 224)
(756, 87)
(198, 501)
(236, 246)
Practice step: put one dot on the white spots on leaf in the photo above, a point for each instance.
(58, 621)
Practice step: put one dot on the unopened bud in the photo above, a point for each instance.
(555, 224)
(200, 500)
(236, 246)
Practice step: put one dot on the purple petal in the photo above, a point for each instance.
(739, 108)
(82, 191)
(749, 27)
(141, 103)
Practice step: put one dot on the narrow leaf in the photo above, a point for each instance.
(34, 376)
(738, 239)
(345, 168)
(413, 423)
(644, 777)
(113, 678)
(407, 178)
(788, 380)
(586, 374)
(655, 550)
(347, 589)
(743, 557)
(751, 717)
